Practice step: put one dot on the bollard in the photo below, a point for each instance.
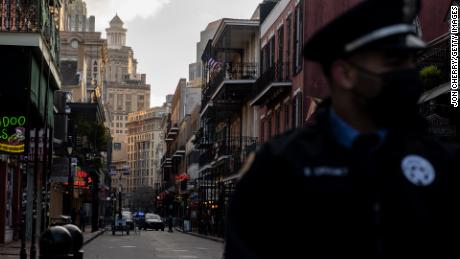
(55, 243)
(77, 241)
(61, 242)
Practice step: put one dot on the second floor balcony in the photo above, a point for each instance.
(172, 131)
(236, 149)
(165, 161)
(31, 23)
(229, 84)
(273, 83)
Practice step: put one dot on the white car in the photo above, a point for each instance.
(128, 216)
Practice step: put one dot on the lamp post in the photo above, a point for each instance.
(70, 180)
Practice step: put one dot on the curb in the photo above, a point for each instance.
(216, 239)
(93, 237)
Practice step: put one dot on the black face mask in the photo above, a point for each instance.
(395, 106)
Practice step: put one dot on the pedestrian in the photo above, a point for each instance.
(73, 215)
(170, 223)
(82, 219)
(362, 180)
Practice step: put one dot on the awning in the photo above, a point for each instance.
(205, 168)
(231, 178)
(435, 92)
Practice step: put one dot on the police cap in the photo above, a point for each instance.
(372, 24)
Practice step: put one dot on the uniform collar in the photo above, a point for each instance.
(344, 133)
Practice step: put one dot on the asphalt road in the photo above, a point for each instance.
(152, 244)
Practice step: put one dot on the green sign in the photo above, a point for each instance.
(12, 134)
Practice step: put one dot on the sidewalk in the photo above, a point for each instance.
(217, 239)
(11, 250)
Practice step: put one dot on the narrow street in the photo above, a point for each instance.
(152, 245)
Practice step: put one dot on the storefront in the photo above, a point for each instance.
(10, 186)
(26, 113)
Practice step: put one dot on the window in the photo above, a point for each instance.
(119, 102)
(116, 146)
(272, 51)
(277, 121)
(262, 60)
(128, 103)
(262, 131)
(269, 125)
(280, 52)
(288, 47)
(286, 117)
(298, 31)
(140, 106)
(297, 110)
(293, 113)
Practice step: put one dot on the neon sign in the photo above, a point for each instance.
(12, 134)
(182, 177)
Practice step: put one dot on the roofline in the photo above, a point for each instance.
(229, 22)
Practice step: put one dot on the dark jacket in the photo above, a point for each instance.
(344, 203)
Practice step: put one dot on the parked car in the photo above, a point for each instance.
(128, 217)
(153, 221)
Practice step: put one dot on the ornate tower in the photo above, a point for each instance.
(116, 34)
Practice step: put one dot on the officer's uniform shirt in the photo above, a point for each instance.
(346, 135)
(306, 195)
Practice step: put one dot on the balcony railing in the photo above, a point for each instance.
(271, 84)
(206, 157)
(33, 16)
(278, 73)
(236, 148)
(228, 71)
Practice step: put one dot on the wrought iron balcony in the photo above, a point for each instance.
(165, 161)
(33, 16)
(271, 84)
(172, 131)
(229, 72)
(236, 149)
(206, 157)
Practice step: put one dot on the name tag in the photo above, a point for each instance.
(325, 171)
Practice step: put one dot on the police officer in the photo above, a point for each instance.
(362, 181)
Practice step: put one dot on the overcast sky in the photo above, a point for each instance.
(163, 33)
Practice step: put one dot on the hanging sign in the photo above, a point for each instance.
(12, 134)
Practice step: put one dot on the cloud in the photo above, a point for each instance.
(164, 33)
(104, 10)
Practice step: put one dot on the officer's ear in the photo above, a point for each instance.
(341, 74)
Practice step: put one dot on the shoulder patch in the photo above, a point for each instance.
(418, 170)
